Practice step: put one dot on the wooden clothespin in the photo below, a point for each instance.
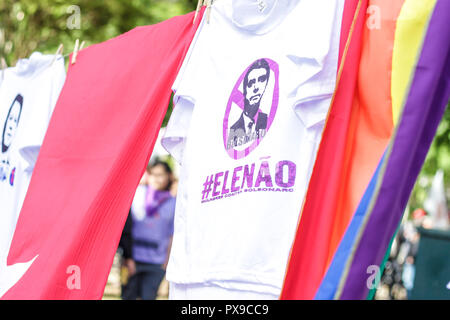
(60, 49)
(199, 5)
(4, 66)
(75, 51)
(208, 10)
(58, 52)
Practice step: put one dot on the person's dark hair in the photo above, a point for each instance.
(167, 169)
(19, 99)
(258, 64)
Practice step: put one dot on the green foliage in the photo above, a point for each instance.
(438, 157)
(41, 25)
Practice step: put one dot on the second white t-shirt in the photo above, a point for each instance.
(28, 94)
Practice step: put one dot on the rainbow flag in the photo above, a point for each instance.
(392, 90)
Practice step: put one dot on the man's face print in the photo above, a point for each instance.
(11, 123)
(256, 85)
(251, 107)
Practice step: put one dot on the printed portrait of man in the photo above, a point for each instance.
(11, 123)
(252, 123)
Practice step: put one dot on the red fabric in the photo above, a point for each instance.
(96, 148)
(309, 256)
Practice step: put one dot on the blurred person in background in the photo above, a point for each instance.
(152, 214)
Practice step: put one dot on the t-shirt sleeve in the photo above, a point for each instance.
(40, 117)
(185, 88)
(314, 68)
(174, 140)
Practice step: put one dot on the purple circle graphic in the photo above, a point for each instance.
(253, 104)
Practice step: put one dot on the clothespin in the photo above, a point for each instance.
(81, 46)
(199, 5)
(58, 52)
(75, 51)
(4, 66)
(60, 49)
(208, 9)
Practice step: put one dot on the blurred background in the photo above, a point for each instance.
(418, 263)
(42, 25)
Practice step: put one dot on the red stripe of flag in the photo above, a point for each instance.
(309, 254)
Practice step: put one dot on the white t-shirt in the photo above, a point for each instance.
(28, 94)
(271, 64)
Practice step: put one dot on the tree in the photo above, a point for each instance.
(438, 157)
(41, 25)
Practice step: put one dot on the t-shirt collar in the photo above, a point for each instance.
(260, 16)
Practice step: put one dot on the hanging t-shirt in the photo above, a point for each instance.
(28, 94)
(251, 101)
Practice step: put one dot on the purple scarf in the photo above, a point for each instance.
(154, 199)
